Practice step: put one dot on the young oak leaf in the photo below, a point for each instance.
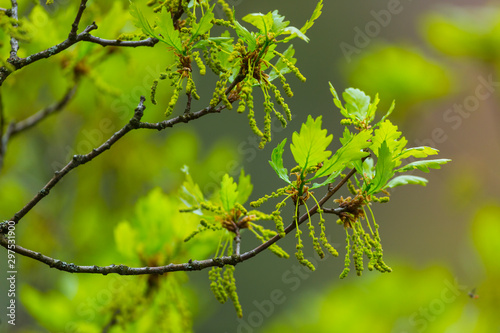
(418, 152)
(228, 192)
(352, 150)
(388, 133)
(166, 31)
(277, 162)
(384, 170)
(262, 22)
(357, 103)
(245, 35)
(424, 165)
(337, 101)
(309, 23)
(405, 180)
(190, 193)
(309, 146)
(139, 20)
(204, 25)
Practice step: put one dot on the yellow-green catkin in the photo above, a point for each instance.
(216, 286)
(199, 63)
(191, 88)
(277, 250)
(290, 65)
(227, 10)
(173, 99)
(230, 285)
(324, 240)
(251, 115)
(277, 193)
(299, 254)
(153, 91)
(268, 108)
(358, 254)
(278, 221)
(347, 261)
(282, 103)
(286, 87)
(315, 240)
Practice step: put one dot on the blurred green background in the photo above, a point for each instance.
(438, 60)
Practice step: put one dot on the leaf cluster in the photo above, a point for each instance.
(242, 59)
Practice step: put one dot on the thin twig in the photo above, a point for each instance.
(19, 63)
(188, 103)
(74, 27)
(115, 42)
(335, 211)
(14, 43)
(191, 265)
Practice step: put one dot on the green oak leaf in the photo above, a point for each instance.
(245, 35)
(352, 150)
(140, 21)
(167, 33)
(277, 162)
(424, 165)
(309, 23)
(204, 25)
(357, 103)
(337, 101)
(384, 169)
(262, 22)
(418, 152)
(405, 180)
(387, 132)
(309, 146)
(190, 193)
(228, 192)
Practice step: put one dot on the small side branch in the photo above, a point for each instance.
(74, 27)
(14, 43)
(114, 42)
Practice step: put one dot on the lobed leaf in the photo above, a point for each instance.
(352, 150)
(316, 13)
(228, 192)
(262, 22)
(167, 33)
(309, 146)
(424, 165)
(337, 101)
(387, 132)
(140, 21)
(418, 152)
(204, 25)
(357, 103)
(384, 169)
(277, 162)
(245, 35)
(405, 180)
